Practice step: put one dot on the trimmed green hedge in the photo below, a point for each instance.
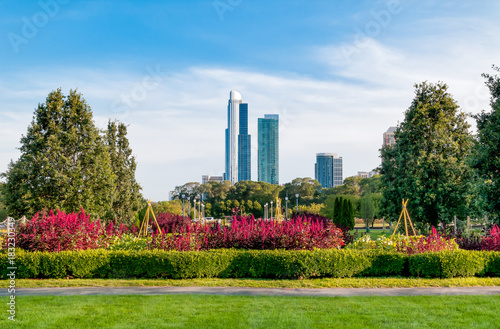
(230, 263)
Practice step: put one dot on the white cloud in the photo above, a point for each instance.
(176, 125)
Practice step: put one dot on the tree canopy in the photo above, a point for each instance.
(65, 162)
(128, 198)
(428, 163)
(486, 159)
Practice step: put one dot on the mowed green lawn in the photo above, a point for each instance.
(206, 311)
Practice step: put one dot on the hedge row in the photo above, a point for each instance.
(230, 263)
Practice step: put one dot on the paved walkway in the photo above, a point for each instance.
(241, 291)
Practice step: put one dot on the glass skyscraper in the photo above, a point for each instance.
(328, 169)
(238, 154)
(268, 151)
(244, 156)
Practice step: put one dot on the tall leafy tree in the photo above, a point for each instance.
(427, 165)
(368, 209)
(64, 162)
(128, 198)
(3, 209)
(306, 187)
(487, 149)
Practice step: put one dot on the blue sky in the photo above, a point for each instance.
(339, 73)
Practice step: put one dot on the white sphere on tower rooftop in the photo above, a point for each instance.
(234, 95)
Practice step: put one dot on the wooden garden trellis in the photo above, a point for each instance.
(406, 217)
(144, 230)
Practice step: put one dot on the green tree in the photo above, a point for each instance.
(368, 210)
(261, 192)
(128, 198)
(3, 210)
(342, 213)
(350, 215)
(427, 165)
(345, 213)
(313, 208)
(64, 162)
(351, 186)
(371, 185)
(173, 207)
(338, 211)
(306, 187)
(486, 159)
(189, 190)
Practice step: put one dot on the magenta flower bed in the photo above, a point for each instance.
(301, 233)
(60, 231)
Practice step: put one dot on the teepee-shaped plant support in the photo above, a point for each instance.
(144, 230)
(406, 217)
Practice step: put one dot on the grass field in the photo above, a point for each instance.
(374, 234)
(199, 311)
(261, 283)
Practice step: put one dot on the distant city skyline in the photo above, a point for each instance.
(338, 73)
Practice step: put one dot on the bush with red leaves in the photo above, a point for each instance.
(300, 233)
(492, 241)
(60, 231)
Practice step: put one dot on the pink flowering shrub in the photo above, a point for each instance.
(300, 233)
(492, 242)
(60, 231)
(420, 244)
(171, 223)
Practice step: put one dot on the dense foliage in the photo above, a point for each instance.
(67, 164)
(487, 150)
(428, 164)
(231, 263)
(128, 197)
(343, 213)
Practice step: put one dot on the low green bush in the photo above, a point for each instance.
(231, 263)
(446, 264)
(491, 264)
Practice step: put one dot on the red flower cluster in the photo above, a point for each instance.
(171, 223)
(433, 242)
(61, 231)
(247, 233)
(492, 242)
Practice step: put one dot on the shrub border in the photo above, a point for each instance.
(232, 263)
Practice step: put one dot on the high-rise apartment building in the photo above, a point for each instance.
(328, 169)
(268, 148)
(238, 154)
(244, 156)
(207, 178)
(389, 137)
